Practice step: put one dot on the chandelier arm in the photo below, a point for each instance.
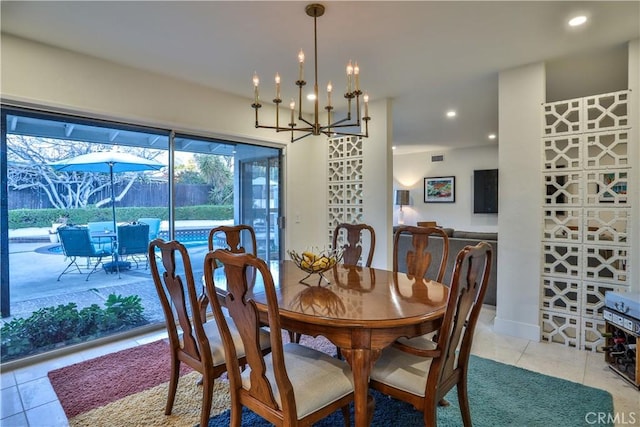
(285, 129)
(337, 134)
(306, 121)
(300, 137)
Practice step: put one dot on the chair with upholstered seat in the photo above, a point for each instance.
(422, 377)
(352, 237)
(198, 342)
(76, 242)
(236, 238)
(417, 259)
(418, 262)
(292, 385)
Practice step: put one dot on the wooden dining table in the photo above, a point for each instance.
(361, 310)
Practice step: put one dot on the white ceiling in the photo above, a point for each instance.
(426, 56)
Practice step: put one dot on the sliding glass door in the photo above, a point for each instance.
(260, 202)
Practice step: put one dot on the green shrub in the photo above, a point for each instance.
(52, 327)
(23, 218)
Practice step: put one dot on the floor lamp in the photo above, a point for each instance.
(402, 199)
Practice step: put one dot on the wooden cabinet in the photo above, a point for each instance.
(621, 345)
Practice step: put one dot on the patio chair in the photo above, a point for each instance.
(154, 226)
(100, 227)
(133, 242)
(76, 242)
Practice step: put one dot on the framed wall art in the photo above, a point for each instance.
(440, 189)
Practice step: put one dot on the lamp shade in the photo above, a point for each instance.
(402, 197)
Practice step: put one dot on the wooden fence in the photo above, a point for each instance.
(139, 195)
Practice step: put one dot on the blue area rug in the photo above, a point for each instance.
(499, 395)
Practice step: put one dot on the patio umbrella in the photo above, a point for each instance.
(107, 162)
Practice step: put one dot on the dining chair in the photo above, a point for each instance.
(417, 258)
(76, 242)
(351, 237)
(197, 342)
(293, 385)
(236, 238)
(422, 377)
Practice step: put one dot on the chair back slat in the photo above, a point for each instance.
(418, 256)
(235, 238)
(352, 236)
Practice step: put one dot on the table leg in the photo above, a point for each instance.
(361, 361)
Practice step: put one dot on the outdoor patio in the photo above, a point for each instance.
(35, 263)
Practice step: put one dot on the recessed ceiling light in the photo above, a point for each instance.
(311, 97)
(451, 113)
(393, 147)
(492, 136)
(577, 20)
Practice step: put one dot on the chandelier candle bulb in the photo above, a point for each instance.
(349, 73)
(292, 104)
(356, 73)
(366, 104)
(277, 86)
(301, 61)
(329, 89)
(256, 82)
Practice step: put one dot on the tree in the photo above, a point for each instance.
(217, 172)
(28, 168)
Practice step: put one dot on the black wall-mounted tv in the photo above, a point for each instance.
(485, 191)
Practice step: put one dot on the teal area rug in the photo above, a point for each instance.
(499, 395)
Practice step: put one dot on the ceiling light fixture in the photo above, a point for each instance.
(492, 136)
(451, 113)
(331, 129)
(577, 21)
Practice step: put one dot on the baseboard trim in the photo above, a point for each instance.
(517, 329)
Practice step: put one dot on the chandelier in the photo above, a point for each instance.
(330, 129)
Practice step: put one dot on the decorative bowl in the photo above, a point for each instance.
(316, 262)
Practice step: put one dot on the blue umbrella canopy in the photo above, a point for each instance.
(107, 162)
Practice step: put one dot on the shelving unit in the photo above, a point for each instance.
(628, 330)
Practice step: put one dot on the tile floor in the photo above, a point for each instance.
(28, 399)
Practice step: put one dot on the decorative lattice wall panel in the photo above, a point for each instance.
(345, 182)
(586, 216)
(560, 328)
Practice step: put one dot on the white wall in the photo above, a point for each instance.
(634, 155)
(409, 171)
(521, 94)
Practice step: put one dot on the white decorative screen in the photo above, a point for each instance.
(586, 217)
(346, 182)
